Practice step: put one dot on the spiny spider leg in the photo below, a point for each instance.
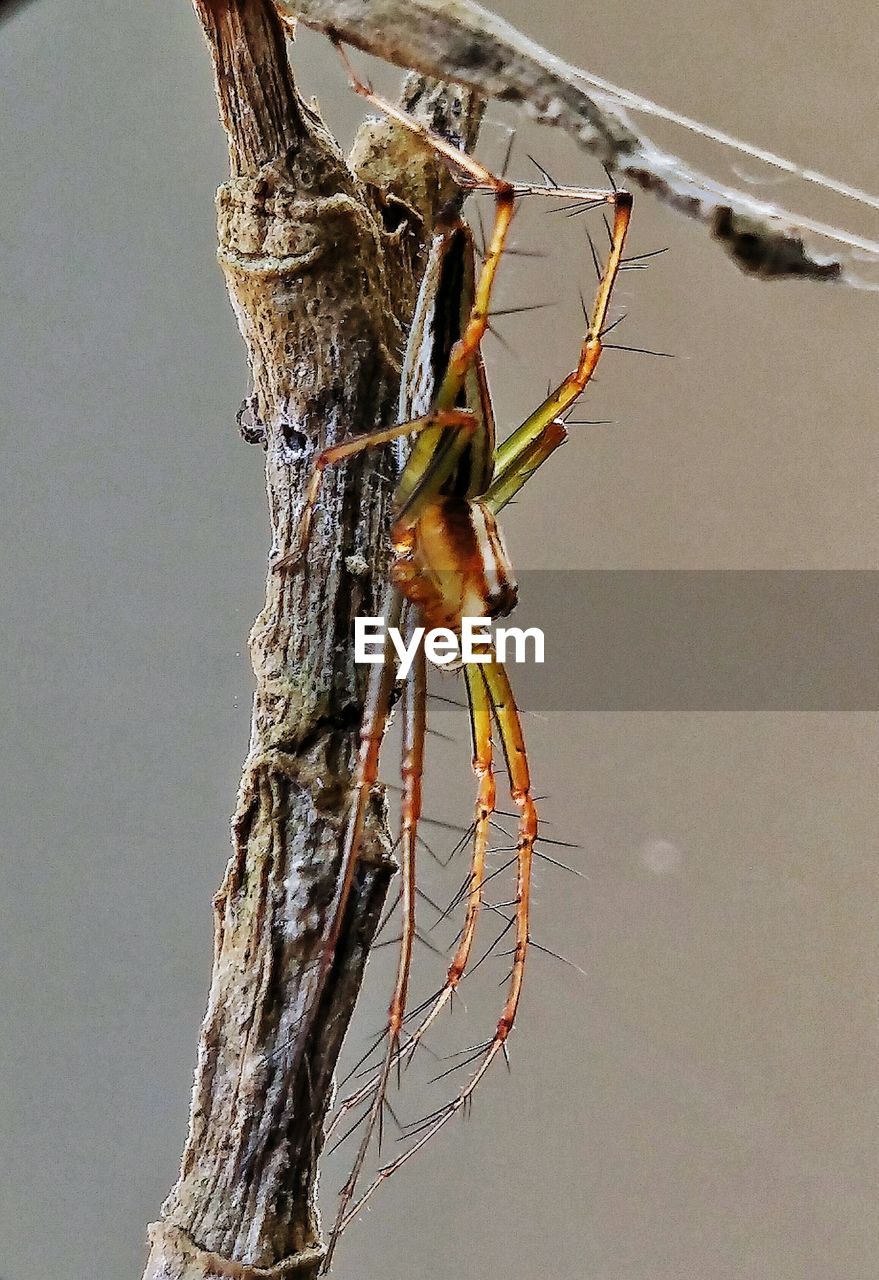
(509, 725)
(414, 725)
(531, 444)
(442, 421)
(480, 721)
(376, 710)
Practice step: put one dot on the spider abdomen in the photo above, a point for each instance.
(453, 563)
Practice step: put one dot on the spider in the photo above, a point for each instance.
(449, 560)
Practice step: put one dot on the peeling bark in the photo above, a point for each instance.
(322, 261)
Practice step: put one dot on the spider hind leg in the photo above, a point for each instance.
(414, 729)
(506, 717)
(480, 721)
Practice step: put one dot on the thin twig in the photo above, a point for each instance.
(465, 43)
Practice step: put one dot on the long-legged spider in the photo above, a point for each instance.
(449, 561)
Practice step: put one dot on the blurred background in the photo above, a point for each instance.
(699, 1101)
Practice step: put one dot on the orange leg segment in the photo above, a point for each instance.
(480, 720)
(452, 419)
(512, 466)
(375, 715)
(509, 726)
(414, 730)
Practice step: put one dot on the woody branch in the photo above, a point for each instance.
(322, 260)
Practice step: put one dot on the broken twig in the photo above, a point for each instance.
(460, 41)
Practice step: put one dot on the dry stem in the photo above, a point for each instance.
(322, 270)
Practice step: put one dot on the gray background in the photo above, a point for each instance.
(702, 1100)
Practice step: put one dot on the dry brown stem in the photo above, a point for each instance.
(322, 270)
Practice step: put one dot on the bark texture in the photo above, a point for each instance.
(322, 261)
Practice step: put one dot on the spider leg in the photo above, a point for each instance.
(414, 726)
(460, 160)
(509, 725)
(534, 452)
(531, 444)
(480, 723)
(429, 464)
(433, 458)
(372, 730)
(452, 421)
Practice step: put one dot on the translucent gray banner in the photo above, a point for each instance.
(669, 640)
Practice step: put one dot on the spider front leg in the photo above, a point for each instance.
(465, 352)
(451, 420)
(476, 176)
(542, 432)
